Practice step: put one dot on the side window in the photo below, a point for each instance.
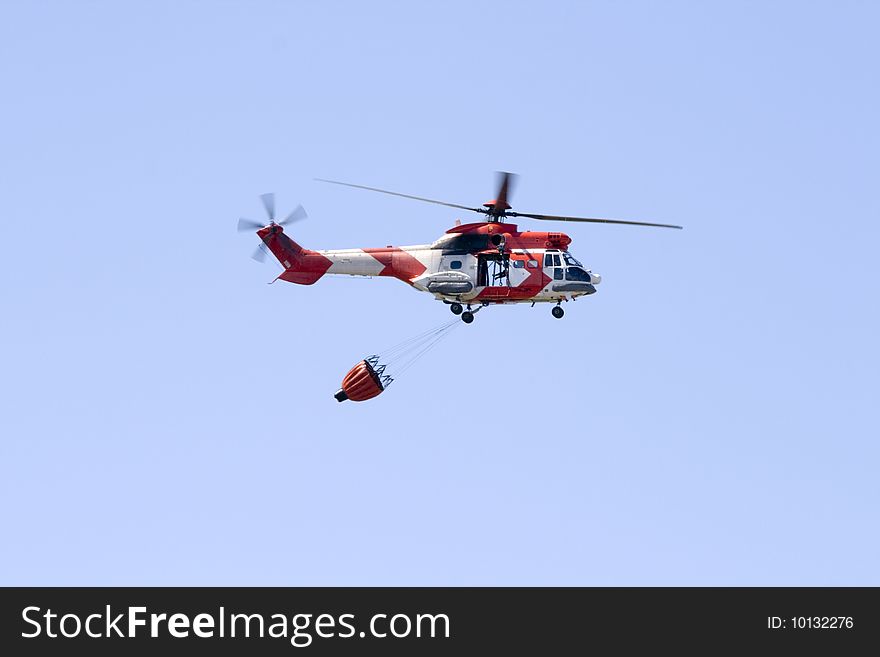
(519, 264)
(548, 259)
(455, 264)
(557, 273)
(533, 264)
(557, 261)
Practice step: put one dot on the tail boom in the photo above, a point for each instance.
(304, 266)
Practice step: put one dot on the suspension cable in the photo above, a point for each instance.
(402, 349)
(427, 347)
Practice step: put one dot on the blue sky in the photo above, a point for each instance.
(708, 418)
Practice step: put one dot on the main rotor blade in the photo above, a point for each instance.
(296, 215)
(248, 225)
(269, 203)
(592, 220)
(506, 183)
(415, 198)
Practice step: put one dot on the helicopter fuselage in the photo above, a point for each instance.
(478, 263)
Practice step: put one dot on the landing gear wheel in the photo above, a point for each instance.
(467, 317)
(455, 308)
(557, 312)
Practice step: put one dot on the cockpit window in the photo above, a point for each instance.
(548, 259)
(557, 261)
(571, 260)
(576, 274)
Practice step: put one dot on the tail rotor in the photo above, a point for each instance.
(249, 225)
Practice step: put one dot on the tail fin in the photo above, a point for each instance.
(301, 265)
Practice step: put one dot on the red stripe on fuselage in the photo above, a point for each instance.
(535, 282)
(397, 263)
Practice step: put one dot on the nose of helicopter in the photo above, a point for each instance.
(595, 279)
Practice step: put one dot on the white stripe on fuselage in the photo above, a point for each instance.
(357, 262)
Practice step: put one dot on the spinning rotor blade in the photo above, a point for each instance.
(248, 225)
(260, 253)
(506, 183)
(499, 208)
(269, 203)
(592, 220)
(296, 215)
(415, 198)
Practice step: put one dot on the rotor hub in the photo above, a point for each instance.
(497, 205)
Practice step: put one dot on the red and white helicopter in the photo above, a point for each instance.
(471, 266)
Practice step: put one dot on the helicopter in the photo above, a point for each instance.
(469, 267)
